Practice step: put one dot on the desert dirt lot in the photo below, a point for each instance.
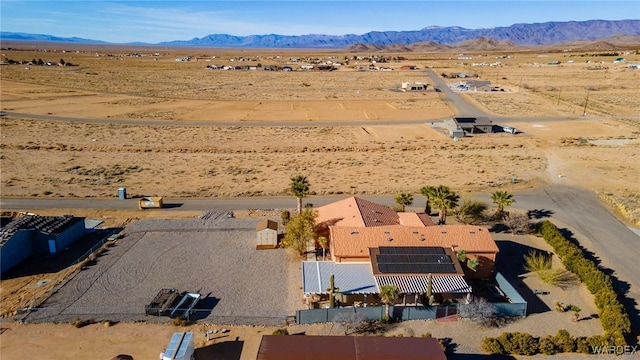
(93, 160)
(215, 257)
(42, 158)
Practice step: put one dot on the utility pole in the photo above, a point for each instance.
(559, 92)
(584, 111)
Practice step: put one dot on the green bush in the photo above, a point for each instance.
(613, 316)
(518, 343)
(426, 335)
(582, 345)
(614, 320)
(606, 298)
(564, 341)
(526, 344)
(547, 345)
(493, 346)
(280, 332)
(537, 261)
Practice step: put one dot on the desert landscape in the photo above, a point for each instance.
(349, 130)
(135, 117)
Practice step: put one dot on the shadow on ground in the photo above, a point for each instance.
(47, 263)
(228, 350)
(509, 262)
(204, 307)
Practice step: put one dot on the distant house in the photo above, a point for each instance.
(470, 125)
(266, 235)
(415, 86)
(478, 85)
(35, 234)
(618, 60)
(287, 68)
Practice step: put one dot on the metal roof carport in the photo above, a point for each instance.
(351, 278)
(273, 347)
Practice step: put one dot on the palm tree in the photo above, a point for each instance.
(323, 241)
(299, 189)
(502, 199)
(425, 192)
(443, 199)
(404, 199)
(388, 294)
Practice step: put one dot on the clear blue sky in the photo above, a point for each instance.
(156, 21)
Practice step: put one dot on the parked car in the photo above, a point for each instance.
(509, 129)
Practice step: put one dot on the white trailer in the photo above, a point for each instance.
(180, 347)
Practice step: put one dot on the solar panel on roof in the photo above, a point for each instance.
(395, 259)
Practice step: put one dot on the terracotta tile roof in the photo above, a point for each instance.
(356, 212)
(356, 241)
(414, 219)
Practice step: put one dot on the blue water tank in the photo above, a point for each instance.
(122, 193)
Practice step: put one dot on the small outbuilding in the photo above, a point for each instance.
(35, 234)
(266, 235)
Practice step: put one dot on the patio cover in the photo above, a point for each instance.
(413, 284)
(350, 278)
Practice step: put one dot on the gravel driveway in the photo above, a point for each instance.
(215, 257)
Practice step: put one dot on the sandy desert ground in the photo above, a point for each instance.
(44, 158)
(93, 160)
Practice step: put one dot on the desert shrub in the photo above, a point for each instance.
(471, 212)
(564, 341)
(606, 298)
(536, 261)
(285, 216)
(518, 343)
(181, 322)
(615, 338)
(582, 345)
(426, 335)
(478, 310)
(558, 277)
(349, 321)
(371, 327)
(493, 346)
(507, 342)
(518, 223)
(595, 341)
(78, 323)
(547, 345)
(526, 344)
(280, 332)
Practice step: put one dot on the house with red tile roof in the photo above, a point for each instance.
(353, 243)
(357, 212)
(372, 245)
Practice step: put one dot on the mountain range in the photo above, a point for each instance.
(535, 34)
